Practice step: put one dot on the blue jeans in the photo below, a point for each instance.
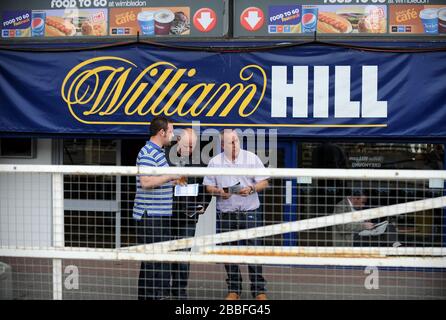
(237, 221)
(154, 277)
(182, 227)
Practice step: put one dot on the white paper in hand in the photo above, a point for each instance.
(377, 229)
(189, 190)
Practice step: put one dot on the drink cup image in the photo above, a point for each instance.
(38, 23)
(146, 23)
(442, 20)
(309, 20)
(429, 19)
(163, 22)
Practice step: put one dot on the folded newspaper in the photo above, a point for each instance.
(377, 229)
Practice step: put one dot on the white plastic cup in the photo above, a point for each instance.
(146, 23)
(429, 18)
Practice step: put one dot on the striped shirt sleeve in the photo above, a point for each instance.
(147, 161)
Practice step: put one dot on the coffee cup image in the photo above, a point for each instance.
(429, 19)
(163, 21)
(146, 22)
(442, 20)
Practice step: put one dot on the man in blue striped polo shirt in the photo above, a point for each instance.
(153, 208)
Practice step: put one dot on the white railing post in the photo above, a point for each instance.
(58, 232)
(118, 214)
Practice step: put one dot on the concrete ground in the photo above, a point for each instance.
(32, 279)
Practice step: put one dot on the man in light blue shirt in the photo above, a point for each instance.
(153, 208)
(238, 210)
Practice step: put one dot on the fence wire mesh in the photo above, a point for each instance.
(70, 233)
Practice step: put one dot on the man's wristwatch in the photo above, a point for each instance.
(253, 189)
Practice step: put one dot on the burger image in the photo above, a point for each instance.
(59, 27)
(353, 14)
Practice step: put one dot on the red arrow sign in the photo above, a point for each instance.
(252, 18)
(205, 19)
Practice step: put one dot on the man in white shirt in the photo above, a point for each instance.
(238, 209)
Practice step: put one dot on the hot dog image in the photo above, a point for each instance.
(329, 22)
(58, 27)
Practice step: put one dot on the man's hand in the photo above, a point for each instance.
(182, 181)
(368, 225)
(245, 192)
(215, 191)
(224, 194)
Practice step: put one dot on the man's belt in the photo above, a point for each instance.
(238, 211)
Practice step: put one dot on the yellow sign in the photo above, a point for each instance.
(96, 89)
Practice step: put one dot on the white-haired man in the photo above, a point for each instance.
(238, 209)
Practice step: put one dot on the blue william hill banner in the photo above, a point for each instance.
(306, 91)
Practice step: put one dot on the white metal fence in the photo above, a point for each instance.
(67, 233)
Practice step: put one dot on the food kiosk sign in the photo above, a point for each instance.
(346, 18)
(46, 19)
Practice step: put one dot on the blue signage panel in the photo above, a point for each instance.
(306, 91)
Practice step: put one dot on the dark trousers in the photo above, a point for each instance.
(182, 227)
(154, 277)
(238, 221)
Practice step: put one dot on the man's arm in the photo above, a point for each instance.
(210, 182)
(258, 187)
(215, 191)
(260, 183)
(150, 182)
(352, 226)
